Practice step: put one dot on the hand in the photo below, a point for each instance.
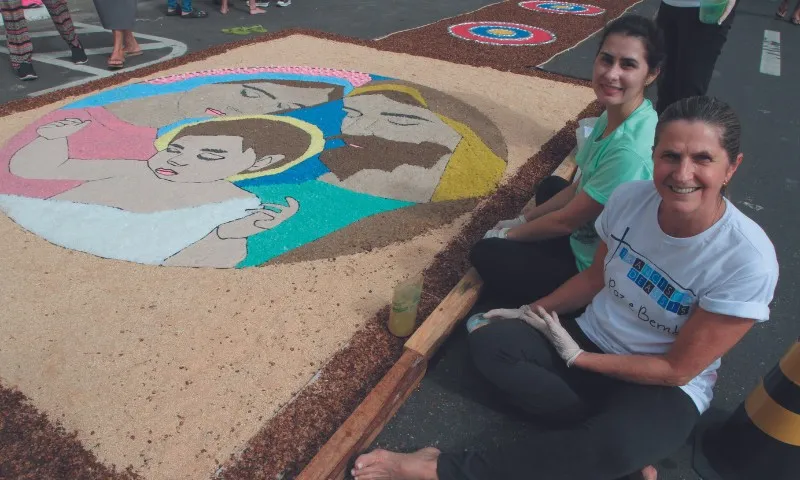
(262, 218)
(523, 313)
(514, 222)
(562, 341)
(728, 10)
(497, 233)
(62, 128)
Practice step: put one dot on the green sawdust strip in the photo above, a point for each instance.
(32, 447)
(291, 438)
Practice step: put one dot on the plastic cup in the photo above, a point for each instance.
(403, 315)
(711, 10)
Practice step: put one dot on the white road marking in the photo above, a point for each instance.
(55, 58)
(771, 53)
(34, 14)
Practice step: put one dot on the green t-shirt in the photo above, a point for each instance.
(623, 156)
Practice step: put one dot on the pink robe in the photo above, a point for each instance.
(106, 138)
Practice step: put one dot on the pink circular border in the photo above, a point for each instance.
(454, 30)
(356, 79)
(533, 5)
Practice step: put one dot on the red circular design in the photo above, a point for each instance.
(525, 35)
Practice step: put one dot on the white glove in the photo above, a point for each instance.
(497, 233)
(523, 313)
(514, 222)
(562, 341)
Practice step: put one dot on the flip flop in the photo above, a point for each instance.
(115, 64)
(134, 53)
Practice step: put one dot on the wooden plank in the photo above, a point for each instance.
(361, 428)
(439, 324)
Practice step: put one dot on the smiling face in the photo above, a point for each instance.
(381, 116)
(253, 98)
(202, 159)
(621, 72)
(691, 167)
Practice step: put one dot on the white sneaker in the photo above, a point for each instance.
(284, 3)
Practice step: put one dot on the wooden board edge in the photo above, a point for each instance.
(367, 421)
(441, 322)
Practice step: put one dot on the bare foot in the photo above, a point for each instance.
(649, 473)
(223, 10)
(384, 465)
(257, 11)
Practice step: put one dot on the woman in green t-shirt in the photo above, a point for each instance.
(524, 259)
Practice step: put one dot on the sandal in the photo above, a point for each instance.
(194, 14)
(115, 64)
(133, 53)
(174, 12)
(257, 11)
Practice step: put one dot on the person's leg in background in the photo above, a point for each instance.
(515, 273)
(18, 40)
(59, 12)
(117, 58)
(669, 79)
(693, 48)
(638, 425)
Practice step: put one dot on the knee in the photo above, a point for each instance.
(484, 253)
(549, 187)
(484, 349)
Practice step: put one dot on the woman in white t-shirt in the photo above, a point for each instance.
(681, 275)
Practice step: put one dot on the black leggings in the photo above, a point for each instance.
(600, 428)
(516, 273)
(692, 51)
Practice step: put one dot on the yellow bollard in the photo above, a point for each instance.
(761, 440)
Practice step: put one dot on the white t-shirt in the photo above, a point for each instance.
(654, 282)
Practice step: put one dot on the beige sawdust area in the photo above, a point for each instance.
(172, 369)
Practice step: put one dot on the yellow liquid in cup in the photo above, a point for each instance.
(403, 314)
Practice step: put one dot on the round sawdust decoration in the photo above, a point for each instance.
(239, 167)
(502, 33)
(563, 8)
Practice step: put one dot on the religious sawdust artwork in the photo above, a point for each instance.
(563, 8)
(502, 33)
(143, 370)
(235, 168)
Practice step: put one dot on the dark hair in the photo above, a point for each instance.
(710, 111)
(264, 136)
(645, 30)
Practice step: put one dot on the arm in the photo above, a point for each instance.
(556, 202)
(226, 245)
(580, 210)
(47, 157)
(579, 290)
(211, 251)
(704, 337)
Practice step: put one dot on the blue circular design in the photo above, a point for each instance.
(486, 31)
(562, 7)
